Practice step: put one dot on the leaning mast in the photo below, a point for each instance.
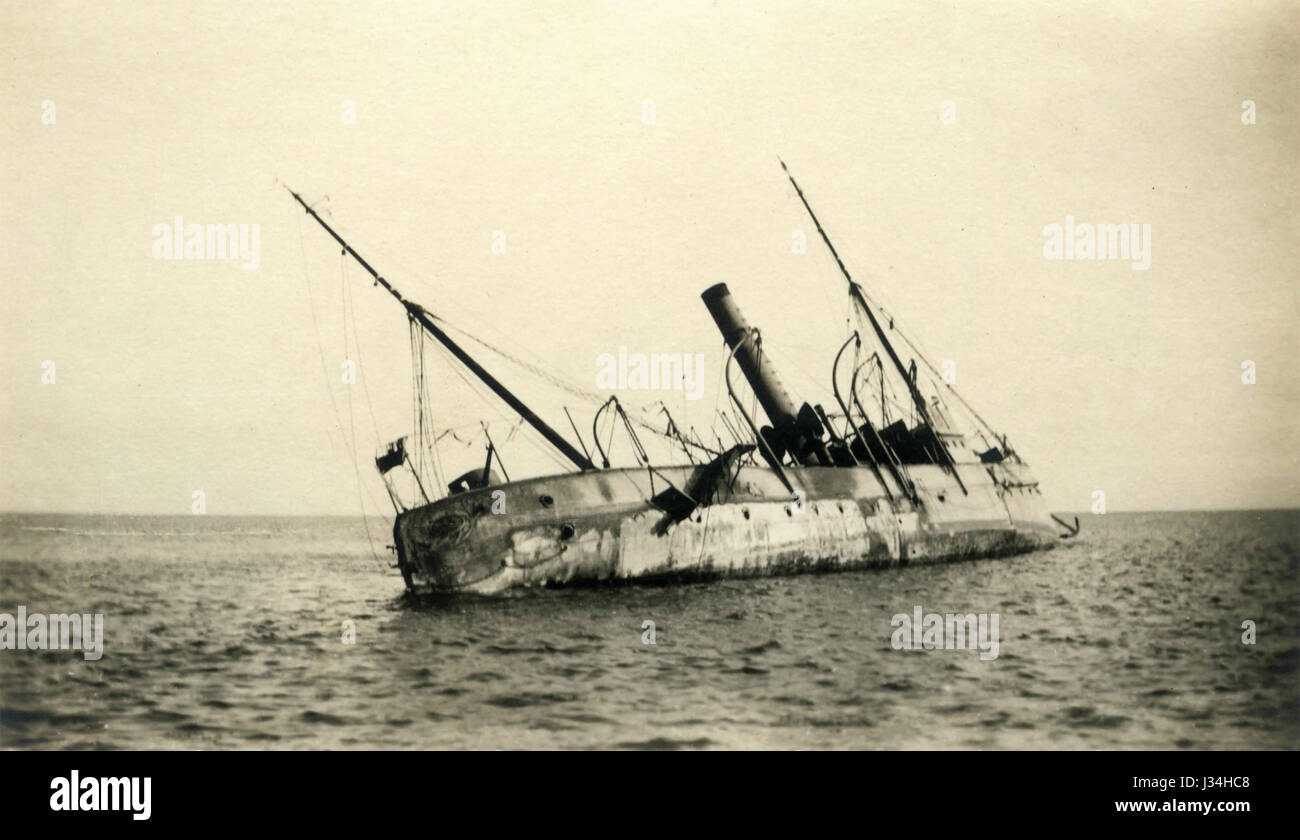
(417, 313)
(855, 291)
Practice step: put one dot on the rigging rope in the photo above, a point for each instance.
(924, 359)
(592, 397)
(311, 300)
(345, 299)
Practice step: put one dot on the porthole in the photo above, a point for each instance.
(546, 500)
(566, 531)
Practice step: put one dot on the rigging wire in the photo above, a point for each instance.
(427, 449)
(553, 378)
(356, 343)
(479, 391)
(591, 397)
(919, 354)
(311, 299)
(416, 279)
(345, 299)
(338, 418)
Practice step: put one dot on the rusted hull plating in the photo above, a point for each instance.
(599, 526)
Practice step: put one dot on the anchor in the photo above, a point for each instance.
(1072, 529)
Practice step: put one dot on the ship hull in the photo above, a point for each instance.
(603, 526)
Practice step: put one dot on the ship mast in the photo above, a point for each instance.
(855, 291)
(417, 313)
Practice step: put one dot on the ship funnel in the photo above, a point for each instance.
(758, 370)
(796, 430)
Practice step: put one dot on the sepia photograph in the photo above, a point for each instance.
(615, 375)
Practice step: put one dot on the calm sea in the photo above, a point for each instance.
(228, 633)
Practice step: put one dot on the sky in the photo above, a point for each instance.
(625, 154)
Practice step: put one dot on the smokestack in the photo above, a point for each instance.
(793, 429)
(778, 406)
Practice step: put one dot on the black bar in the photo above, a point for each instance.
(972, 791)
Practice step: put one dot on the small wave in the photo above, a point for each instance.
(310, 716)
(546, 647)
(218, 704)
(22, 718)
(1086, 717)
(529, 698)
(585, 717)
(484, 676)
(665, 744)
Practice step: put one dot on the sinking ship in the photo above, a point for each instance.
(797, 489)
